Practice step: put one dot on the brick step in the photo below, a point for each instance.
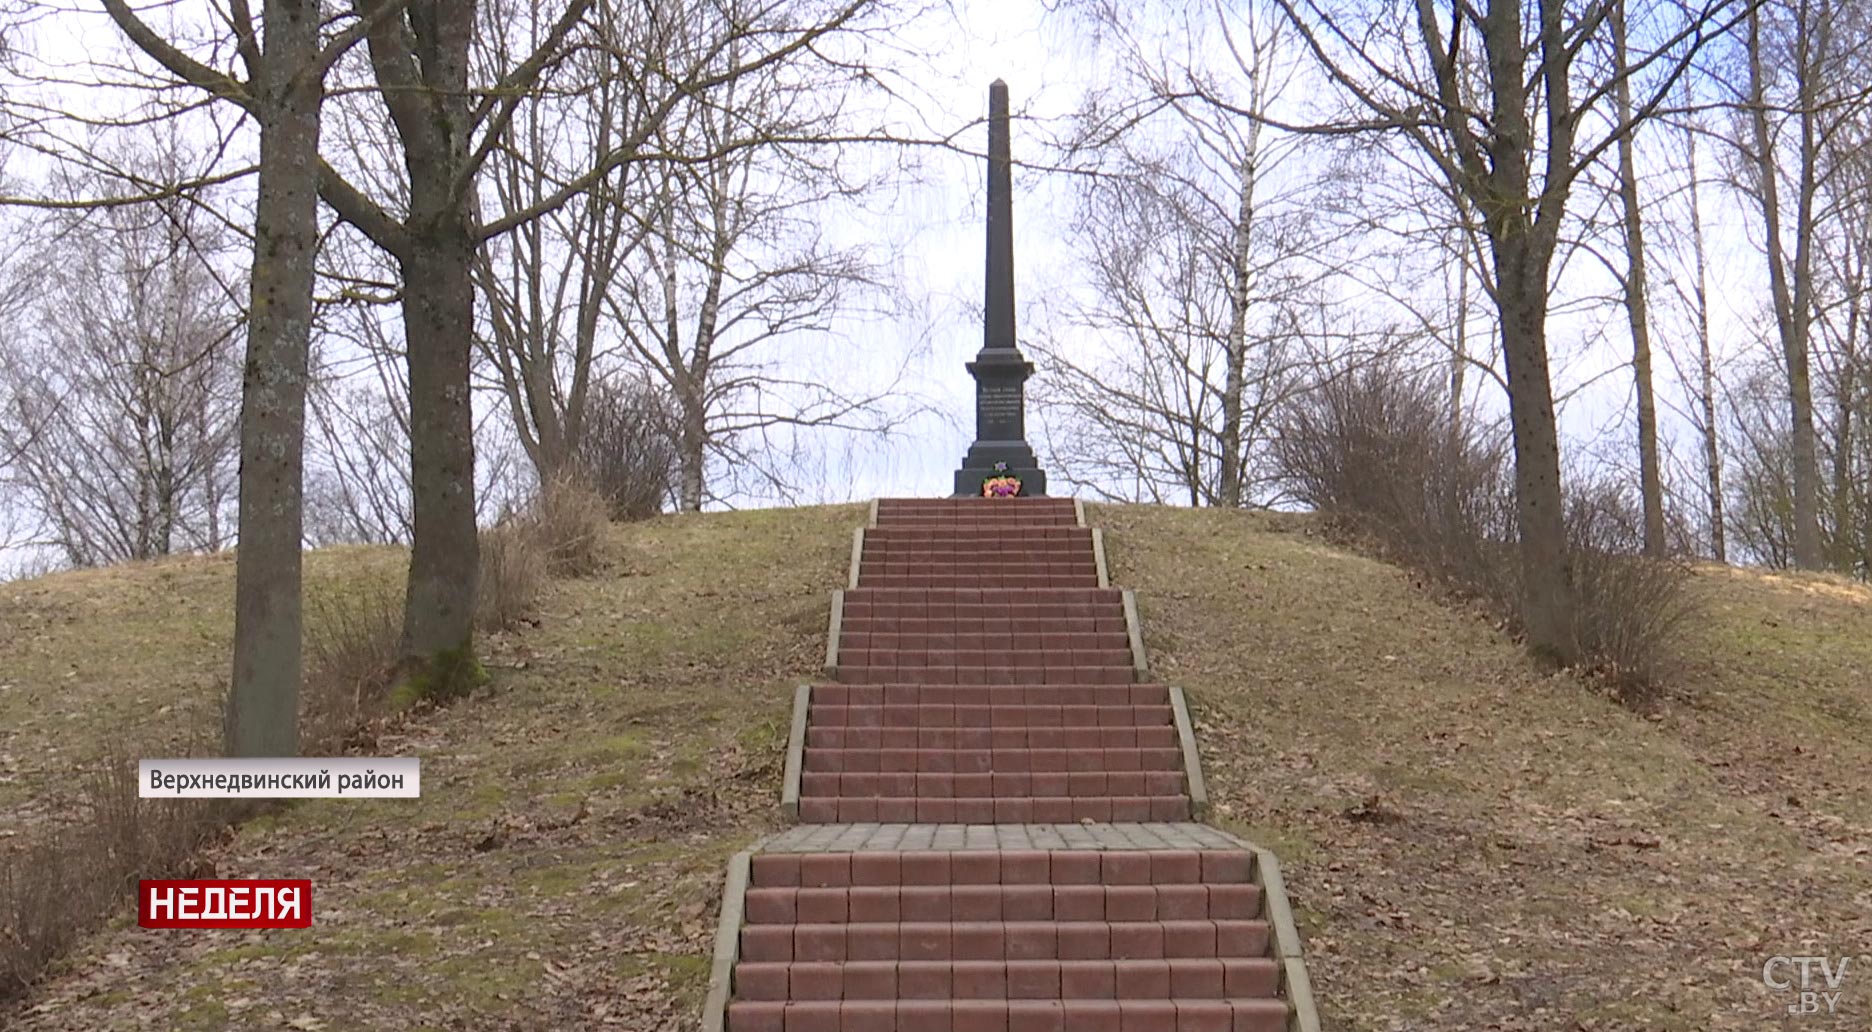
(869, 674)
(972, 527)
(1023, 535)
(986, 616)
(976, 508)
(1011, 656)
(993, 739)
(1197, 978)
(997, 504)
(1014, 542)
(859, 904)
(1015, 765)
(1004, 940)
(974, 571)
(987, 557)
(1029, 516)
(985, 620)
(1008, 715)
(989, 578)
(982, 556)
(1162, 781)
(973, 595)
(1003, 867)
(983, 572)
(976, 521)
(1249, 1015)
(985, 810)
(985, 641)
(982, 695)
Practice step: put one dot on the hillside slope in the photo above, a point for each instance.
(1472, 846)
(1476, 846)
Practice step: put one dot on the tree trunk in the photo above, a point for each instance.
(421, 64)
(694, 447)
(1636, 306)
(1791, 307)
(1706, 365)
(1459, 357)
(263, 703)
(438, 324)
(1235, 379)
(1523, 249)
(1546, 567)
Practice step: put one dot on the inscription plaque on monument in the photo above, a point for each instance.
(999, 369)
(998, 412)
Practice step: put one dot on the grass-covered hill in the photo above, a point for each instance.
(1472, 845)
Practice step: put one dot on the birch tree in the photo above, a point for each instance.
(122, 389)
(1197, 258)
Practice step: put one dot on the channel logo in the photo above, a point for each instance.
(225, 903)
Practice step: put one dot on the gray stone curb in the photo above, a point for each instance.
(727, 943)
(857, 556)
(871, 519)
(1098, 557)
(1192, 760)
(1134, 631)
(795, 752)
(1302, 1015)
(832, 635)
(1079, 511)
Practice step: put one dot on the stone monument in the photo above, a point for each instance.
(999, 369)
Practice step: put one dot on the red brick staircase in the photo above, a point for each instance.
(996, 813)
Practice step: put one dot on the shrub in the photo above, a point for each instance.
(567, 522)
(353, 644)
(559, 533)
(513, 572)
(1375, 451)
(72, 880)
(627, 450)
(1628, 608)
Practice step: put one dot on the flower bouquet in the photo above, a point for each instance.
(1002, 485)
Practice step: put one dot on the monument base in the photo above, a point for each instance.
(979, 465)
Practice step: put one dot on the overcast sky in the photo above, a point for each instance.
(933, 222)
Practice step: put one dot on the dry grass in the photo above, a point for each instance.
(66, 883)
(353, 644)
(513, 573)
(1472, 846)
(568, 520)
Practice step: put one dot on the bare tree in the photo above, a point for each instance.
(1802, 112)
(1197, 259)
(733, 265)
(544, 282)
(122, 395)
(1691, 287)
(1637, 306)
(1509, 140)
(1793, 305)
(285, 58)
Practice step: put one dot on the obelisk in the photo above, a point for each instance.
(999, 368)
